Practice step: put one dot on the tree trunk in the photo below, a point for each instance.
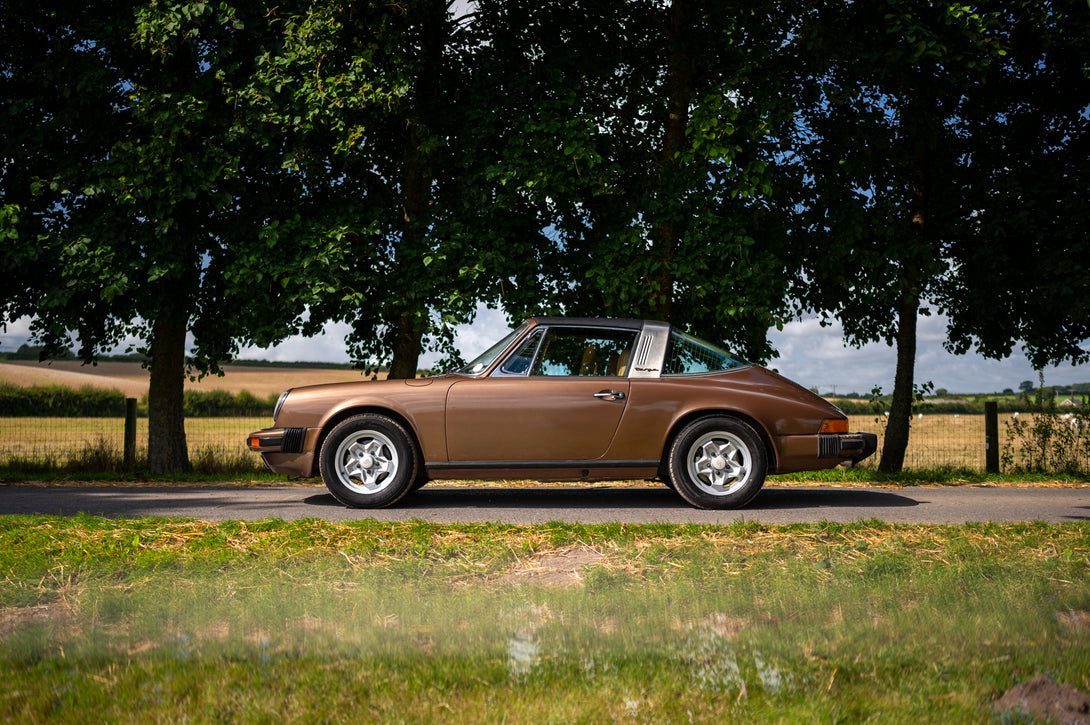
(908, 306)
(900, 412)
(416, 189)
(167, 451)
(681, 79)
(407, 348)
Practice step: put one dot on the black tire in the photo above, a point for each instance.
(718, 462)
(369, 461)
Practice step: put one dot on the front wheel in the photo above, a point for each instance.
(368, 461)
(718, 463)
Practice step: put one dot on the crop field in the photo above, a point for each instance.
(132, 379)
(953, 441)
(96, 443)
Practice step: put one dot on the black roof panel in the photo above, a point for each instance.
(625, 324)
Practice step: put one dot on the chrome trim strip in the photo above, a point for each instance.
(500, 465)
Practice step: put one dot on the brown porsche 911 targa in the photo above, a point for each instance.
(563, 399)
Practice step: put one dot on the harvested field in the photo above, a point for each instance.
(132, 379)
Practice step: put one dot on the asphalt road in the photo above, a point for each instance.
(446, 504)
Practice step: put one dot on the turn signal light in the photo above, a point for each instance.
(835, 425)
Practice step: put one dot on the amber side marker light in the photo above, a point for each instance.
(836, 425)
(255, 442)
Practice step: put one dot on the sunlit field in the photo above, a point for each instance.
(89, 443)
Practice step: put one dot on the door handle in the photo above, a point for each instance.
(610, 395)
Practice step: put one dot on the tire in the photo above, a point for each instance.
(718, 462)
(368, 461)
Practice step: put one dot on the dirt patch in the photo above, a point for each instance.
(1077, 621)
(1047, 701)
(16, 619)
(558, 568)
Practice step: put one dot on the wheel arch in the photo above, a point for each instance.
(341, 415)
(693, 415)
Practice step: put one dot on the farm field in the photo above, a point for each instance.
(132, 379)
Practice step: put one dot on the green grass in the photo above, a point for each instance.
(272, 621)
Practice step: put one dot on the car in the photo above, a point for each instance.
(565, 399)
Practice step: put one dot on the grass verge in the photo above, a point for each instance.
(160, 620)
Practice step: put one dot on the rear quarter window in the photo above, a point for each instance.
(688, 355)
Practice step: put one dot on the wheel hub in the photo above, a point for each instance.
(719, 463)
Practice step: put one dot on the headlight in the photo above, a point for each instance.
(280, 404)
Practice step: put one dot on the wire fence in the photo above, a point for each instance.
(215, 444)
(219, 444)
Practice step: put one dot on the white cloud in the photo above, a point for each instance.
(328, 347)
(817, 357)
(17, 333)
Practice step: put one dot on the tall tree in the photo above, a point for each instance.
(132, 232)
(882, 86)
(641, 132)
(371, 96)
(1020, 270)
(932, 156)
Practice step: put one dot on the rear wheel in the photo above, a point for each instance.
(718, 462)
(368, 461)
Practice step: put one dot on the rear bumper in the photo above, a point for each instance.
(853, 447)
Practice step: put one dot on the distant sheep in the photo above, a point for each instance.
(1077, 422)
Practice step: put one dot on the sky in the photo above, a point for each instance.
(809, 354)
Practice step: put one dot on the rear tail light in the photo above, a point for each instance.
(835, 425)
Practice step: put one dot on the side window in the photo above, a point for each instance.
(573, 352)
(687, 355)
(518, 363)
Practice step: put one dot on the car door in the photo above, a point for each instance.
(558, 397)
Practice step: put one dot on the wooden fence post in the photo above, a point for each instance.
(991, 436)
(130, 433)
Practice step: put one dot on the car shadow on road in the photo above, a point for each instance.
(628, 498)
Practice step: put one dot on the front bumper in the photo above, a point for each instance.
(277, 440)
(286, 451)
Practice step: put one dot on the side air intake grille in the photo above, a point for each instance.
(293, 440)
(828, 446)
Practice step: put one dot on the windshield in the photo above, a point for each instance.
(485, 359)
